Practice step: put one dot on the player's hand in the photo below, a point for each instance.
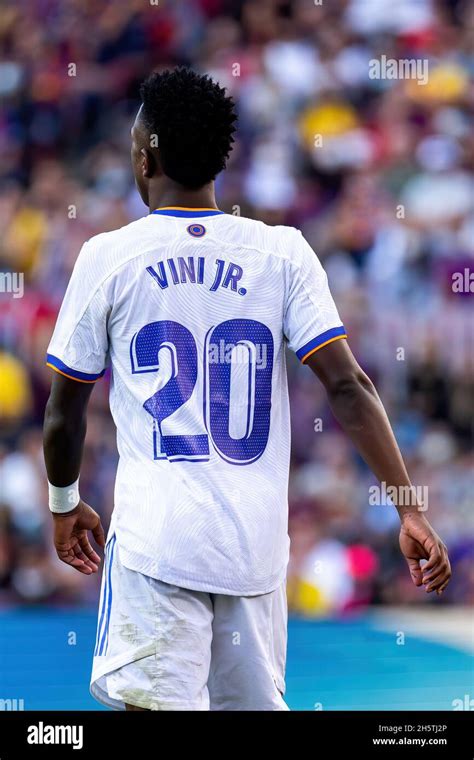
(418, 541)
(72, 541)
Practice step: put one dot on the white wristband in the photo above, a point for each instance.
(65, 499)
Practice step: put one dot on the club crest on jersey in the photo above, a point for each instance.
(196, 230)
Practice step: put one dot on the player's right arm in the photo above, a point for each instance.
(63, 442)
(315, 333)
(78, 355)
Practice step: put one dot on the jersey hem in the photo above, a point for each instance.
(149, 567)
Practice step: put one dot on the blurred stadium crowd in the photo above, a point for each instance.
(376, 172)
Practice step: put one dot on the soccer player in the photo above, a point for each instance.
(192, 309)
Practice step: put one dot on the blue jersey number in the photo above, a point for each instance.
(238, 343)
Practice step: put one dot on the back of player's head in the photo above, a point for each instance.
(194, 121)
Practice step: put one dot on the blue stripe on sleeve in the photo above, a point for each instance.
(325, 337)
(56, 363)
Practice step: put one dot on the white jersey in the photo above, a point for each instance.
(192, 310)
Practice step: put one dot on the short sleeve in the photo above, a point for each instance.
(311, 317)
(79, 345)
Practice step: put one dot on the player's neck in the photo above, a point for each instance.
(178, 196)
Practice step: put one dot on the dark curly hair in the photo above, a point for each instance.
(194, 120)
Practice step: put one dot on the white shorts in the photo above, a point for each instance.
(161, 647)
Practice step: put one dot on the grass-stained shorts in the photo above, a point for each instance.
(162, 647)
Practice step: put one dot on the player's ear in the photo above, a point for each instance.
(149, 163)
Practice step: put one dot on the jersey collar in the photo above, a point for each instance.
(186, 212)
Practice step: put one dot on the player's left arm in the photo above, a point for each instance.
(360, 412)
(315, 332)
(64, 432)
